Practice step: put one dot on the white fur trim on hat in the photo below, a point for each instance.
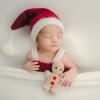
(43, 22)
(38, 26)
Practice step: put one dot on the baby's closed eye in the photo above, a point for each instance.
(48, 35)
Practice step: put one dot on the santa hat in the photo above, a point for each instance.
(36, 19)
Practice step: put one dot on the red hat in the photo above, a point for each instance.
(36, 19)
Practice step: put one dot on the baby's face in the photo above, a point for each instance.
(50, 38)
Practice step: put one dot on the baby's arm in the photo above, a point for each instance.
(30, 65)
(69, 75)
(29, 56)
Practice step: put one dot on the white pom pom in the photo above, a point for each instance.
(9, 49)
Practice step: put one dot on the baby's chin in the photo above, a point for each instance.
(55, 49)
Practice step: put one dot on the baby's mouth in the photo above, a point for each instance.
(55, 45)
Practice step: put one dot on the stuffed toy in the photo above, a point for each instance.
(53, 78)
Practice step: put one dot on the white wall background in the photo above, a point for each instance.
(81, 20)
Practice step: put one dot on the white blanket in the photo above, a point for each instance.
(86, 78)
(18, 84)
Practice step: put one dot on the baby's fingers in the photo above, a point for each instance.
(34, 62)
(65, 83)
(36, 67)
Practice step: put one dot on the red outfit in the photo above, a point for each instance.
(46, 66)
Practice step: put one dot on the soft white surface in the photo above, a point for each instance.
(12, 89)
(81, 79)
(81, 19)
(17, 84)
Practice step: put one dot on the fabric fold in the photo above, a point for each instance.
(82, 79)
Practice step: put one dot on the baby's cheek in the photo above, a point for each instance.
(48, 42)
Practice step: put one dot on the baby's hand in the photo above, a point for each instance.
(67, 77)
(31, 66)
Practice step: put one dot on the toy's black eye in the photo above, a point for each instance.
(55, 67)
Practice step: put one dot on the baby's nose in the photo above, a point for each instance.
(54, 39)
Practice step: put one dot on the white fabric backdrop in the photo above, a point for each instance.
(81, 19)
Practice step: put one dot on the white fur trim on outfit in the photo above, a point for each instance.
(59, 55)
